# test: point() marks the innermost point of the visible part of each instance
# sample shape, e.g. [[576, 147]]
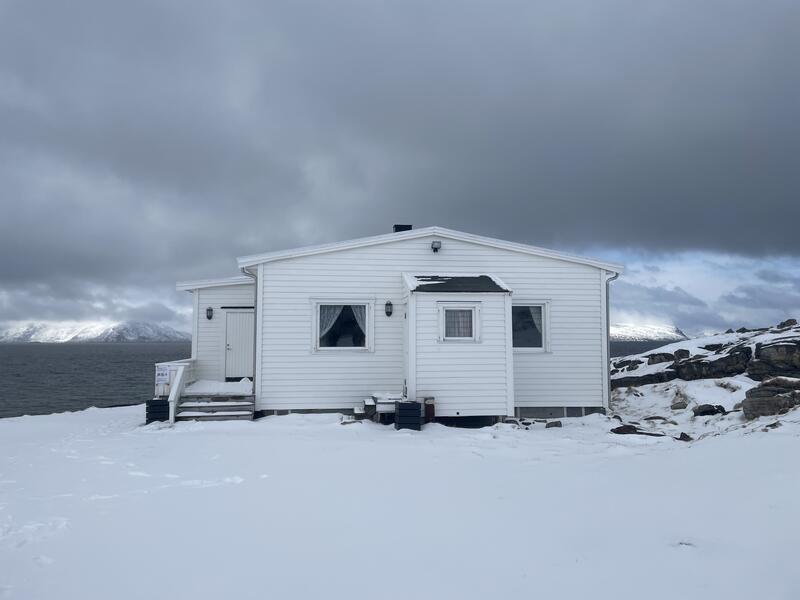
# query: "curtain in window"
[[360, 313], [536, 315], [457, 323], [328, 313]]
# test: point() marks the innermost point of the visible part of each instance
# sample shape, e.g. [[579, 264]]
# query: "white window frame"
[[545, 304], [475, 307], [369, 334]]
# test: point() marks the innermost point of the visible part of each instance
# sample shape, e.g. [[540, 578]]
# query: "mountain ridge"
[[77, 332]]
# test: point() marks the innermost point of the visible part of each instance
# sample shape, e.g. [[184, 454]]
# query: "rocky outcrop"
[[759, 353], [708, 410], [732, 363], [660, 357], [773, 397], [660, 377], [776, 359]]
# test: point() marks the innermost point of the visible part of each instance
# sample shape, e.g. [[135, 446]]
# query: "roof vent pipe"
[[399, 228]]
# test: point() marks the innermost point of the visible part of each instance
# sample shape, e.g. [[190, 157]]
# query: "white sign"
[[162, 375]]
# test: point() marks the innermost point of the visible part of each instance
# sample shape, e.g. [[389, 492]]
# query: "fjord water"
[[46, 378]]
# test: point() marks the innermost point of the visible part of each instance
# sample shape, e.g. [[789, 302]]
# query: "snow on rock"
[[759, 353], [58, 332], [93, 505]]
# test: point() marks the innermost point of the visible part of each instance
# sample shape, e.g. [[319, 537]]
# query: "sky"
[[148, 142]]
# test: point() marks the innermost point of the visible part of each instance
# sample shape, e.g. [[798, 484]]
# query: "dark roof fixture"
[[399, 228]]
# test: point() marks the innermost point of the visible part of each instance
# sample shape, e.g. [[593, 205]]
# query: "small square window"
[[458, 322]]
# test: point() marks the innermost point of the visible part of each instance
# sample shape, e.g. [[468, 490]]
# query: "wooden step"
[[218, 397], [231, 415], [216, 406]]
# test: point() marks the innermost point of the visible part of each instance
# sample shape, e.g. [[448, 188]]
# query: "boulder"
[[787, 323], [707, 410], [679, 404], [552, 424], [621, 364], [779, 358], [660, 357], [682, 354], [766, 400], [713, 347], [625, 430], [734, 362], [684, 437]]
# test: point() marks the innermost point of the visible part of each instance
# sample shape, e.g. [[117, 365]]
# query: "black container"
[[408, 415], [156, 410]]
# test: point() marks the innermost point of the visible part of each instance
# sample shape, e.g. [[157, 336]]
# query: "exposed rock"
[[737, 406], [707, 410], [780, 358], [552, 424], [766, 400], [713, 347], [732, 363], [660, 377], [684, 437], [679, 405], [742, 330], [625, 430], [787, 323], [660, 357], [620, 364], [682, 354], [729, 331], [774, 425], [661, 419]]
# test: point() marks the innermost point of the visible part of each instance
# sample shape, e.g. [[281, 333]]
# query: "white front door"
[[239, 332]]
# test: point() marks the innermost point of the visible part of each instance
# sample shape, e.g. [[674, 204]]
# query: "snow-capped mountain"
[[58, 332], [646, 333]]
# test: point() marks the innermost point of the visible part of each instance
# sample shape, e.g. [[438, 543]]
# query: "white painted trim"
[[259, 333], [509, 359], [475, 306], [545, 304], [411, 315], [369, 334], [189, 286], [195, 321], [249, 261], [604, 329]]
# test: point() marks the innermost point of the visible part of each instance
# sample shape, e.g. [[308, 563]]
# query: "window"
[[527, 325], [458, 322], [342, 325]]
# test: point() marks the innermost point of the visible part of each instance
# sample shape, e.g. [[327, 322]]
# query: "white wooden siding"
[[210, 337], [294, 377], [465, 377]]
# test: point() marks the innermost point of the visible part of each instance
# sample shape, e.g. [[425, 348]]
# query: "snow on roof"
[[456, 283], [248, 261], [188, 286]]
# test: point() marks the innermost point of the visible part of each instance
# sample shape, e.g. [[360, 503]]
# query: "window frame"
[[475, 307], [545, 304], [369, 334]]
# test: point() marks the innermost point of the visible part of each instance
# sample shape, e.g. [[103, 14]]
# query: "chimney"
[[399, 228]]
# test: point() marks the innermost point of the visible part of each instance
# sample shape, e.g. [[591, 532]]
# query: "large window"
[[342, 325], [527, 323], [458, 322]]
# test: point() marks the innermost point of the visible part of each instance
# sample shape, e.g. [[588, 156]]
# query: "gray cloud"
[[147, 142]]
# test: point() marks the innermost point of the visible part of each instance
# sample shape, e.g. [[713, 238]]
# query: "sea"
[[38, 379]]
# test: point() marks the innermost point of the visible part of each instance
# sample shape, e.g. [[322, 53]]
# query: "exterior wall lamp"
[[209, 313], [388, 308], [436, 245]]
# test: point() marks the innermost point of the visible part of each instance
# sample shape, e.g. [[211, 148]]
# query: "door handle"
[[227, 346]]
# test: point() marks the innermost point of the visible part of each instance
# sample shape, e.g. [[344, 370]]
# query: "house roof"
[[245, 262], [457, 283], [189, 286]]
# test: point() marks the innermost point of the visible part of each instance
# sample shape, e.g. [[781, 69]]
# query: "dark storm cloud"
[[146, 142]]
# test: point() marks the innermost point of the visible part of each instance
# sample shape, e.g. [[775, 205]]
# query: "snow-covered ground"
[[94, 505]]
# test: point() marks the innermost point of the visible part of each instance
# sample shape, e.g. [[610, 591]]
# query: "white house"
[[483, 326]]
